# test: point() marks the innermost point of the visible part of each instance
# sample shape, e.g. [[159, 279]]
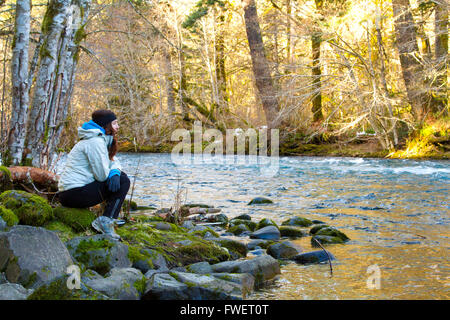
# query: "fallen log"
[[30, 177]]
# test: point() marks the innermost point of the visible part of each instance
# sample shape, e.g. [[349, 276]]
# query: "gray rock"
[[325, 240], [263, 268], [297, 221], [188, 224], [163, 226], [238, 229], [312, 257], [236, 248], [162, 286], [31, 256], [198, 228], [283, 250], [14, 291], [119, 283], [257, 252], [199, 267], [266, 233], [100, 253], [155, 261], [3, 224], [245, 280]]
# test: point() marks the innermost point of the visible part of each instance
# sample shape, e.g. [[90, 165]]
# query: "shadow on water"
[[396, 213]]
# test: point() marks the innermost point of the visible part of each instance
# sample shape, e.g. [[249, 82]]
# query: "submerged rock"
[[31, 256], [292, 232], [236, 248], [265, 223], [312, 257], [315, 229], [332, 232], [259, 200], [266, 233], [297, 221], [324, 240]]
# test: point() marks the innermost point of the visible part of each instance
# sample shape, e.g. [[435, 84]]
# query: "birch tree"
[[20, 84]]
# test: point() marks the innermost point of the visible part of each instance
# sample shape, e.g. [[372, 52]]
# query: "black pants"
[[95, 193]]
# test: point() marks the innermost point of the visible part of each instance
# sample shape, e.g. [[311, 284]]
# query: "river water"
[[396, 213]]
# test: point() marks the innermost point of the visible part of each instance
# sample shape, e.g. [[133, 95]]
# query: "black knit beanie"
[[103, 117]]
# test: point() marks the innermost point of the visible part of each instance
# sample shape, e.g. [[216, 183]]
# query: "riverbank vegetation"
[[363, 78]]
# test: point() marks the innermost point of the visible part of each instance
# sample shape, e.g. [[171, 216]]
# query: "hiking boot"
[[105, 225]]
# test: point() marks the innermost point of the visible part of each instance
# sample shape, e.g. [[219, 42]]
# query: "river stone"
[[14, 291], [31, 256], [199, 267], [245, 280], [263, 268], [157, 261], [297, 221], [292, 232], [258, 252], [265, 223], [203, 287], [315, 229], [242, 217], [238, 229], [99, 252], [324, 240], [283, 250], [236, 248], [259, 200], [188, 224], [266, 233], [163, 226], [259, 243], [119, 283], [332, 232], [250, 224], [312, 257], [162, 286]]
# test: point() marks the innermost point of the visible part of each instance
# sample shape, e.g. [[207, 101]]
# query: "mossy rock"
[[78, 219], [142, 218], [297, 221], [265, 223], [58, 290], [260, 200], [324, 240], [332, 232], [242, 217], [8, 216], [203, 233], [291, 232], [240, 249], [30, 209], [315, 229], [250, 224], [238, 229], [5, 179], [199, 251], [133, 205], [136, 254]]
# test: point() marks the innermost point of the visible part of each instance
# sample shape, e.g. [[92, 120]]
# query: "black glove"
[[114, 183]]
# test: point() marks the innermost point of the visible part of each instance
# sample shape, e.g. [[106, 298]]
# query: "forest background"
[[350, 78]]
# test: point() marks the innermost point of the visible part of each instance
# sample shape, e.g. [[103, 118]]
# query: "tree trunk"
[[20, 85], [441, 54], [316, 73], [168, 79], [408, 50], [261, 69]]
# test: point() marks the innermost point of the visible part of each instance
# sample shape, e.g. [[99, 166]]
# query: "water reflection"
[[395, 211]]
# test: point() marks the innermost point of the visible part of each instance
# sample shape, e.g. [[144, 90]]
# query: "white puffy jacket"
[[88, 160]]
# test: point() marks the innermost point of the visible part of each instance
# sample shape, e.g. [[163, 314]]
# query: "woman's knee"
[[124, 180]]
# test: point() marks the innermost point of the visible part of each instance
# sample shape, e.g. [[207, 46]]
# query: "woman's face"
[[115, 126]]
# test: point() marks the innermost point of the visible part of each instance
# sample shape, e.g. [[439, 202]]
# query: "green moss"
[[297, 221], [91, 254], [197, 252], [317, 228], [250, 224], [144, 218], [31, 280], [332, 232], [64, 232], [265, 223], [5, 172], [202, 233], [293, 232], [136, 254], [133, 205], [140, 285], [238, 229], [78, 219], [234, 246], [324, 240], [8, 216], [30, 209]]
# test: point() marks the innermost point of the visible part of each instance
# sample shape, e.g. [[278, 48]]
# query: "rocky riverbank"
[[51, 252]]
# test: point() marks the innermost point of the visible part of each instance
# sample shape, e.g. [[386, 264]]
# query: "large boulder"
[[100, 253], [191, 286], [283, 250], [31, 256], [30, 209], [313, 257], [262, 267], [260, 200], [119, 283], [14, 291], [266, 233]]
